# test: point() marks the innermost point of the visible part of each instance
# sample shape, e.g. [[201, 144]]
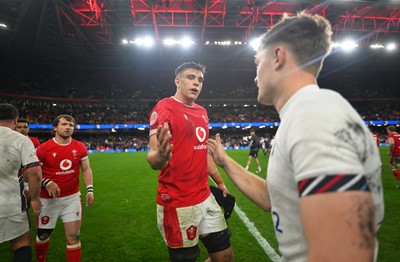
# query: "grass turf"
[[121, 225]]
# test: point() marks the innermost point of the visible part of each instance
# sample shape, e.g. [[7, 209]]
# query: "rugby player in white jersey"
[[323, 185], [18, 162]]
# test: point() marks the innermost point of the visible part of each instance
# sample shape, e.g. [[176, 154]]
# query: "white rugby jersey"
[[320, 134], [16, 151]]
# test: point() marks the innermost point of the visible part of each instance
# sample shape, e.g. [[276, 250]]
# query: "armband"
[[46, 181], [89, 189]]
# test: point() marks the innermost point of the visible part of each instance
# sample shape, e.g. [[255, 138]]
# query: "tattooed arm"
[[339, 226]]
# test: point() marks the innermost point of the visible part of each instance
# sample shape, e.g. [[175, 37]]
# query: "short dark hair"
[[308, 36], [190, 65], [66, 117], [8, 112], [23, 120], [391, 128]]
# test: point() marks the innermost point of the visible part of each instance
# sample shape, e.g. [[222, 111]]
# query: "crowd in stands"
[[152, 85], [127, 97], [43, 111]]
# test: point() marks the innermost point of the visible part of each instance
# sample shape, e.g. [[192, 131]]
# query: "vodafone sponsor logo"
[[201, 136], [65, 165], [201, 133], [200, 147]]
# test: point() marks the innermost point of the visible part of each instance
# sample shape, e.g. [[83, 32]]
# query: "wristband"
[[46, 181], [89, 189], [214, 172]]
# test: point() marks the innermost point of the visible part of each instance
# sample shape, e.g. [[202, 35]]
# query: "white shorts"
[[67, 208], [13, 226], [181, 227]]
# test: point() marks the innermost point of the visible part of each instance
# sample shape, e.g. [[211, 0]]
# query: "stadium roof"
[[91, 31]]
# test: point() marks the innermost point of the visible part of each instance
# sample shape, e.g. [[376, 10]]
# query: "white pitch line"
[[256, 234]]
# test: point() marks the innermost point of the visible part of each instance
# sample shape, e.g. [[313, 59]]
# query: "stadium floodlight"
[[186, 42], [170, 42], [146, 42], [376, 46], [391, 46], [349, 45], [255, 43], [125, 41]]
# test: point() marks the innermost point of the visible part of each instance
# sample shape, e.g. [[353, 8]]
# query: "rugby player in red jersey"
[[23, 128], [394, 151], [186, 209], [62, 157]]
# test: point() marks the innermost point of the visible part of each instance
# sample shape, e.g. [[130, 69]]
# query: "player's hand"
[[217, 151], [53, 189], [223, 188], [89, 199], [163, 138], [36, 207]]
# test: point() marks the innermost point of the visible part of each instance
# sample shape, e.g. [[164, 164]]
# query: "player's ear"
[[177, 81], [279, 56]]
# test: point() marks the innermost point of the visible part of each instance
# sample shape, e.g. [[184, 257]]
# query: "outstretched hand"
[[217, 151], [163, 138]]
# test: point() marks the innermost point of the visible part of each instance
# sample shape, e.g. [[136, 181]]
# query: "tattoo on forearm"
[[365, 223]]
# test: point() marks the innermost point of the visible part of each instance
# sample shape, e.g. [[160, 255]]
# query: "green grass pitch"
[[121, 225]]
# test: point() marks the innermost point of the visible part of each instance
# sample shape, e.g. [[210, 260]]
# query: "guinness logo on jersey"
[[65, 164], [201, 133]]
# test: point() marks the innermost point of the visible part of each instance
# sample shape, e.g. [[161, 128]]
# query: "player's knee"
[[218, 241], [75, 235], [44, 234], [189, 254]]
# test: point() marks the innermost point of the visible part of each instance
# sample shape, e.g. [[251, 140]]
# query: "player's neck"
[[184, 100], [62, 140]]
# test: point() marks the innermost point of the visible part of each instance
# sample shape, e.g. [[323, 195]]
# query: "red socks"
[[396, 173], [41, 249], [73, 252]]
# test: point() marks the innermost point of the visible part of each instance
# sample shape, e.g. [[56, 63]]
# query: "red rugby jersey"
[[396, 138], [184, 181], [61, 164]]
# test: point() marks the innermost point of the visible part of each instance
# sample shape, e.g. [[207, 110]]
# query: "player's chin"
[[66, 135], [263, 99], [194, 95]]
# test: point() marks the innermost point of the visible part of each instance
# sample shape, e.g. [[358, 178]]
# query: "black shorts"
[[253, 153]]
